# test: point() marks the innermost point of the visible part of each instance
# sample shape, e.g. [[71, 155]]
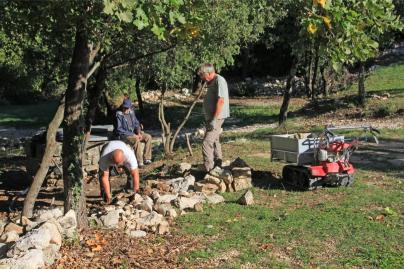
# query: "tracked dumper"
[[318, 159]]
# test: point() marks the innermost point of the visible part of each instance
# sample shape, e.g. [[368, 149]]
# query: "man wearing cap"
[[116, 153], [128, 129], [216, 108]]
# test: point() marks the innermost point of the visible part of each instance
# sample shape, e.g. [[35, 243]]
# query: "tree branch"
[[134, 59], [187, 116]]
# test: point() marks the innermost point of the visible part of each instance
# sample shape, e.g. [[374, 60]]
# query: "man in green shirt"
[[216, 109]]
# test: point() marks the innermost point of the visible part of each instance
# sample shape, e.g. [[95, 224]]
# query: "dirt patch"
[[121, 251]]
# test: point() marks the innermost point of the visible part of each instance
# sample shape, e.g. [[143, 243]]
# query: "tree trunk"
[[73, 132], [109, 106], [361, 85], [165, 126], [314, 91], [94, 94], [286, 96], [186, 118], [307, 75], [139, 97], [324, 79], [245, 57], [50, 148]]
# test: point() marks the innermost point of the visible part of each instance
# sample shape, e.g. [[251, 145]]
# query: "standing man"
[[128, 129], [216, 108], [116, 153]]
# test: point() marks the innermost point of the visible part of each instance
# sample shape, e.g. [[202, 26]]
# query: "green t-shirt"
[[217, 87]]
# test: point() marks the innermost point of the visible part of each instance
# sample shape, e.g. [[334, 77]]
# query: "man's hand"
[[108, 199], [138, 137], [211, 125]]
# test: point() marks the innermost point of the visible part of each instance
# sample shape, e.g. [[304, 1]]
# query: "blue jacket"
[[122, 126]]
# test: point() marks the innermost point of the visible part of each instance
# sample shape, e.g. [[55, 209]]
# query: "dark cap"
[[127, 103]]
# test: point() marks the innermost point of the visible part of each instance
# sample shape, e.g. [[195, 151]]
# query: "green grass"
[[326, 228], [384, 80], [27, 115]]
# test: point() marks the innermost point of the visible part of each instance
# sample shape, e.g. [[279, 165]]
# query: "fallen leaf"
[[265, 246], [96, 248], [116, 260], [380, 218], [370, 218]]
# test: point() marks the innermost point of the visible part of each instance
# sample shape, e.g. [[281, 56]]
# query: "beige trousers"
[[211, 148], [137, 147]]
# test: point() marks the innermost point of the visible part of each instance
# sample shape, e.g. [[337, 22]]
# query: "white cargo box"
[[295, 148]]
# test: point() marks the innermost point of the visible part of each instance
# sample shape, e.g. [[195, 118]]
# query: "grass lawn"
[[357, 227], [36, 115]]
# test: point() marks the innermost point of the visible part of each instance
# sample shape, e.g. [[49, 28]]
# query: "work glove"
[[211, 125]]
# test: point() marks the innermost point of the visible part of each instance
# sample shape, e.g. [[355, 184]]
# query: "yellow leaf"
[[327, 21], [319, 3], [311, 28]]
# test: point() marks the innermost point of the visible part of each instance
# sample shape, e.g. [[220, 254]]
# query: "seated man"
[[128, 130], [116, 153]]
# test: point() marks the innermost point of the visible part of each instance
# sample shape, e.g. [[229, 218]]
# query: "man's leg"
[[217, 146], [208, 145], [147, 139], [135, 143]]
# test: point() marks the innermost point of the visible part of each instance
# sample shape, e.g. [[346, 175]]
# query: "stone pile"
[[8, 144], [155, 209], [229, 178], [35, 243], [161, 201]]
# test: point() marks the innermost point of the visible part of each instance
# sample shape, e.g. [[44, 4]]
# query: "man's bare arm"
[[105, 185], [135, 178]]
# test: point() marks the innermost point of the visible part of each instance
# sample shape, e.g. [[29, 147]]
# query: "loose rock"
[[247, 198]]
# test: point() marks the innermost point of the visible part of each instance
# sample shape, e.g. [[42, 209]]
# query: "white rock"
[[166, 198], [68, 221], [184, 193], [211, 179], [241, 183], [162, 209], [153, 219], [247, 198], [47, 214], [155, 195], [137, 199], [172, 213], [163, 227], [183, 167], [51, 254], [111, 219], [55, 231], [136, 233], [120, 203], [32, 259], [185, 202], [28, 224], [10, 236], [38, 238], [146, 204], [13, 227], [214, 198]]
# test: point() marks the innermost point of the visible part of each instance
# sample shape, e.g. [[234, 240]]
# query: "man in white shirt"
[[116, 153]]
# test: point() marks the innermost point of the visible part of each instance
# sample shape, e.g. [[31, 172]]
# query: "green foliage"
[[215, 35], [348, 31]]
